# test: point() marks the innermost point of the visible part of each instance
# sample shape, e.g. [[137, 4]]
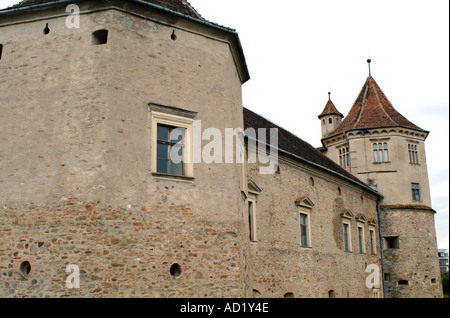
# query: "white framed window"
[[347, 217], [305, 228], [380, 152], [413, 154], [347, 236], [344, 157], [415, 191], [252, 219], [372, 240], [361, 239], [304, 220], [172, 142], [372, 236]]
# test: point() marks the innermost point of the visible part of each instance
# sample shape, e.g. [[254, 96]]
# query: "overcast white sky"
[[298, 50]]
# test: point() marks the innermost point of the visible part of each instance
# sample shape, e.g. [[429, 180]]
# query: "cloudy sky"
[[298, 50]]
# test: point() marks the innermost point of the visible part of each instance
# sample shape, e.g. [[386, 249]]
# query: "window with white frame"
[[372, 241], [413, 154], [305, 229], [380, 152], [415, 191], [361, 239], [171, 142], [344, 157], [304, 220], [252, 219], [347, 236], [347, 217]]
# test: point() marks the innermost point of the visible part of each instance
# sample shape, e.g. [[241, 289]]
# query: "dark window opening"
[[403, 282], [25, 268], [415, 191], [1, 50], [361, 239], [100, 37], [175, 270], [346, 237], [392, 242], [46, 29], [289, 295], [169, 152], [330, 120], [304, 230], [372, 242], [433, 281], [173, 36], [331, 294], [387, 277], [251, 222]]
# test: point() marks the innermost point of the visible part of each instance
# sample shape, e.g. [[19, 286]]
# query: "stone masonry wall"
[[76, 184], [415, 259], [279, 265]]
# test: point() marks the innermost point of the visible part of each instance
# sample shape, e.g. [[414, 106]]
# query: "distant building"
[[443, 259]]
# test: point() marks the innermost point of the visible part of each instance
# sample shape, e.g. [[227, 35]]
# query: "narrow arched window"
[[100, 37], [375, 153], [1, 50], [380, 152], [386, 152]]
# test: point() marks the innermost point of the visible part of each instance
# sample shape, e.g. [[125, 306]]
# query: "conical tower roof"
[[330, 109], [372, 109]]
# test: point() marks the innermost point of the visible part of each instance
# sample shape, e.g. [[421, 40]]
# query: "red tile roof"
[[180, 6], [292, 144], [372, 109], [330, 109]]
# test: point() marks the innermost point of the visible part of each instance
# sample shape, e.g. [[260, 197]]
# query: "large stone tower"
[[381, 147], [86, 177]]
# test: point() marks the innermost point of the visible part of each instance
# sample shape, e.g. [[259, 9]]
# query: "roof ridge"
[[372, 109], [362, 105], [375, 86]]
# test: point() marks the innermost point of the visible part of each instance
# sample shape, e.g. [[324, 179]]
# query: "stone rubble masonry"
[[76, 184]]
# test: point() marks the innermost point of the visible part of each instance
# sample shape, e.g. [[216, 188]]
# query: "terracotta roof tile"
[[294, 145], [372, 109], [180, 6], [330, 109]]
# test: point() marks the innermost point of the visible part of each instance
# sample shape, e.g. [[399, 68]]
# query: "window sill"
[[306, 247], [380, 162], [171, 177]]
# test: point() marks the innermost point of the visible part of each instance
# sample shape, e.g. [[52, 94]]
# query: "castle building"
[[97, 101], [386, 151]]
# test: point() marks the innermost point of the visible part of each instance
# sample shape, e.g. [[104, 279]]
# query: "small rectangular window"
[[392, 242], [1, 50], [415, 191], [413, 155], [252, 221], [169, 152], [361, 239], [347, 246], [304, 230], [372, 242], [100, 37]]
